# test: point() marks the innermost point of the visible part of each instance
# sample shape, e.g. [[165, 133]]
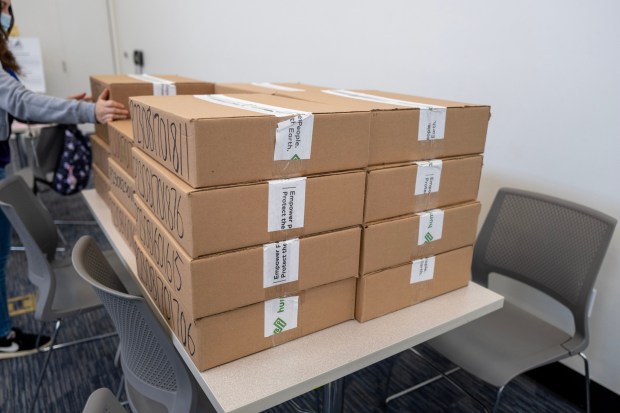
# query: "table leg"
[[333, 397]]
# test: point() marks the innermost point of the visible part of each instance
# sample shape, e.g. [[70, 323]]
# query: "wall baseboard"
[[569, 384]]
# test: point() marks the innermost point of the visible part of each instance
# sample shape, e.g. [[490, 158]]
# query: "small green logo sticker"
[[295, 158], [279, 324], [428, 237]]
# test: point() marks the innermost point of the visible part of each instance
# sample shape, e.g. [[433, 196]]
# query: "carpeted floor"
[[75, 372]]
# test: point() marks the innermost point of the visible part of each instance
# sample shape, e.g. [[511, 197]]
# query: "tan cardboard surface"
[[209, 144], [266, 90], [122, 87], [390, 191], [102, 184], [101, 151], [122, 185], [394, 135], [394, 128], [123, 221], [389, 290], [120, 136], [224, 337], [216, 283], [206, 221], [395, 241]]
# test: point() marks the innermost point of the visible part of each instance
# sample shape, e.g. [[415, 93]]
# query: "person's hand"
[[82, 96], [107, 110]]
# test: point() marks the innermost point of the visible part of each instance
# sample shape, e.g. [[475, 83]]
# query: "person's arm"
[[33, 107]]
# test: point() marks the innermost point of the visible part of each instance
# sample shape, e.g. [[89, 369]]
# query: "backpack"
[[74, 164]]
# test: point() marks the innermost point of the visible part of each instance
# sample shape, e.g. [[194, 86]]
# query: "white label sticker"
[[428, 177], [431, 226], [432, 117], [422, 270], [280, 262], [164, 89], [161, 87], [293, 135], [294, 138], [268, 85], [281, 315], [287, 203]]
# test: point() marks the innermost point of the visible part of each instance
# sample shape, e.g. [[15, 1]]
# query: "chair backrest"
[[153, 369], [550, 244], [49, 146], [37, 232]]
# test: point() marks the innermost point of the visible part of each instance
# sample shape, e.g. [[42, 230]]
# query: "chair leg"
[[333, 396], [420, 385], [441, 375], [45, 364], [586, 367], [500, 391], [117, 356]]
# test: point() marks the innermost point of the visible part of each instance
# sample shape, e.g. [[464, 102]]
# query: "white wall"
[[549, 70], [72, 46]]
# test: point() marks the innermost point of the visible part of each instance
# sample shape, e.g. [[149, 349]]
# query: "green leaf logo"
[[428, 237], [279, 324]]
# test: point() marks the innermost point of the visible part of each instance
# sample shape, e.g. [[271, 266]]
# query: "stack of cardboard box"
[[249, 217], [112, 142], [265, 212], [420, 212]]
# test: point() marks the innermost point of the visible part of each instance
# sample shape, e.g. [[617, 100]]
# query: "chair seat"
[[506, 341], [73, 295]]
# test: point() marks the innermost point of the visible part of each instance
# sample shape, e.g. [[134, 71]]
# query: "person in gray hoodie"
[[18, 102]]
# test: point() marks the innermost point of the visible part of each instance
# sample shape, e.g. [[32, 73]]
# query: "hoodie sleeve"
[[34, 107]]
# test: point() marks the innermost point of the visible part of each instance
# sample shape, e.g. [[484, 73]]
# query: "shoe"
[[18, 344]]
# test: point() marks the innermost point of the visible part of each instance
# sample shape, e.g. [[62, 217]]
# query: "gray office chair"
[[46, 152], [555, 246], [156, 378], [103, 401], [61, 293]]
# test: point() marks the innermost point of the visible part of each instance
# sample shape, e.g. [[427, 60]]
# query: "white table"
[[271, 377]]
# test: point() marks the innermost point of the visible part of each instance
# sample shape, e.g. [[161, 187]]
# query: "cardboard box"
[[122, 87], [100, 151], [449, 129], [102, 184], [400, 240], [121, 142], [218, 339], [122, 185], [123, 221], [206, 221], [216, 283], [396, 190], [266, 88], [390, 290], [210, 144], [396, 134]]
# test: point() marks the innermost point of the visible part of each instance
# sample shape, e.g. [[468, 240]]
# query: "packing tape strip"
[[278, 328], [161, 87], [427, 183], [432, 118], [293, 132]]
